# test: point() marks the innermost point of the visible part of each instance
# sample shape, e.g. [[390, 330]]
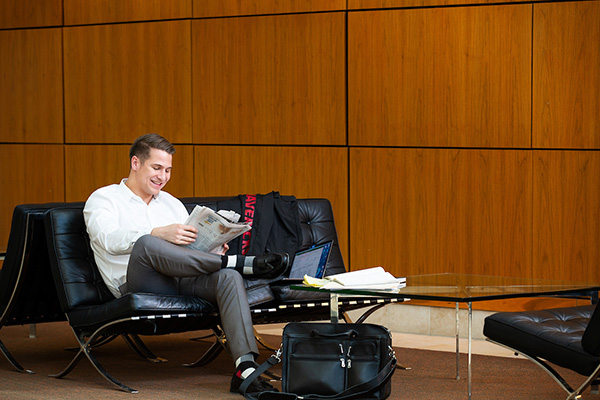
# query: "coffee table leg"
[[457, 344], [470, 305], [334, 307]]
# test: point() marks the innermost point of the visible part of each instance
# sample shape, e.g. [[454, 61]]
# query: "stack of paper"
[[370, 278]]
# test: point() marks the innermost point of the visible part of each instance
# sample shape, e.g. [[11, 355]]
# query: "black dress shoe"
[[270, 265], [257, 385]]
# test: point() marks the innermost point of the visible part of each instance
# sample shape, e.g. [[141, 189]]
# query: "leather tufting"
[[554, 335], [77, 278], [318, 226]]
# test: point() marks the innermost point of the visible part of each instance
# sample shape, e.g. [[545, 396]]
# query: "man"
[[137, 231]]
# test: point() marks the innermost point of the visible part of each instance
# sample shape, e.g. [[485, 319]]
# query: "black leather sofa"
[[96, 317]]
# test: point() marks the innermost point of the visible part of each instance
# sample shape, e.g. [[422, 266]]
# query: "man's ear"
[[135, 163]]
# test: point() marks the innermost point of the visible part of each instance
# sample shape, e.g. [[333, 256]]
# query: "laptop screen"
[[311, 262]]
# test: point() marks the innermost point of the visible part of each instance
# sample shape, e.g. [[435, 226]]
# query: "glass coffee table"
[[464, 288]]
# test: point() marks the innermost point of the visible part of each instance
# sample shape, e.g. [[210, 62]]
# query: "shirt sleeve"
[[102, 220], [183, 213]]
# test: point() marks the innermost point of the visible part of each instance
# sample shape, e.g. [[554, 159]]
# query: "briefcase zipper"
[[345, 360], [348, 357]]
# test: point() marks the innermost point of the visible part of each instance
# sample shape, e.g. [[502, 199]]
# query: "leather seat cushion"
[[89, 318], [284, 294], [553, 335]]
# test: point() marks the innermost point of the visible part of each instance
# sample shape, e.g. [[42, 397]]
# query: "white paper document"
[[375, 278]]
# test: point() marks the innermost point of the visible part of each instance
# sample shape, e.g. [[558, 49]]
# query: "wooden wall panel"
[[224, 8], [122, 81], [440, 77], [31, 96], [31, 174], [304, 172], [270, 80], [80, 12], [369, 4], [91, 167], [566, 70], [420, 211], [566, 217], [30, 13]]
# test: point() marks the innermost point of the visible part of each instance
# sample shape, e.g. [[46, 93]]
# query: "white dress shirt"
[[115, 218]]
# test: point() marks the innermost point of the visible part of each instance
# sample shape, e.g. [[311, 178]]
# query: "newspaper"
[[214, 229]]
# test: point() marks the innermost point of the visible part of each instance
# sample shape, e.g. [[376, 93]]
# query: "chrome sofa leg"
[[12, 360], [85, 349], [140, 348]]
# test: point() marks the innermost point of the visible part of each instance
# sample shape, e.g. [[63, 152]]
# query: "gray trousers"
[[158, 266]]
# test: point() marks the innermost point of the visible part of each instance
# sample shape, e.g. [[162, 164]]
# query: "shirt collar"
[[128, 193]]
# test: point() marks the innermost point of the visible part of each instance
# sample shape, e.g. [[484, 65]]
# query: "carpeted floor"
[[431, 376]]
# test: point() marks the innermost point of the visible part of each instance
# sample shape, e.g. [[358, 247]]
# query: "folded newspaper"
[[214, 228], [375, 278]]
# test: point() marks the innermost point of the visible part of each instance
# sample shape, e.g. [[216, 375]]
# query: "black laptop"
[[311, 262]]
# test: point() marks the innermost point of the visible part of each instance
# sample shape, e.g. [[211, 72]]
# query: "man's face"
[[153, 174]]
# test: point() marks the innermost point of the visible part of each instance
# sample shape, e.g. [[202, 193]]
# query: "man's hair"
[[142, 145]]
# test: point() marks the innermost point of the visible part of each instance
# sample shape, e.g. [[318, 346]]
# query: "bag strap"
[[273, 360], [353, 392]]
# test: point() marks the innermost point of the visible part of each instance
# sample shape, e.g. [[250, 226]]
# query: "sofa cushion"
[[89, 318], [553, 335]]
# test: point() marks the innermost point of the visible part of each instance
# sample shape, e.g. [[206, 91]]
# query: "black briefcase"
[[334, 361]]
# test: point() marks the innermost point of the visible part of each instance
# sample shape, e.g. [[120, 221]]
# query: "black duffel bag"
[[331, 361]]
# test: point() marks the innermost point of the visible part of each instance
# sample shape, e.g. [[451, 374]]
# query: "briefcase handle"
[[350, 334]]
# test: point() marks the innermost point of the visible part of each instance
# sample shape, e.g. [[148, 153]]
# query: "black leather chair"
[[25, 296], [94, 314], [566, 337]]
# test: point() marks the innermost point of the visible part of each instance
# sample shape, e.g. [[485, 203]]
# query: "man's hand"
[[176, 233], [221, 250]]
